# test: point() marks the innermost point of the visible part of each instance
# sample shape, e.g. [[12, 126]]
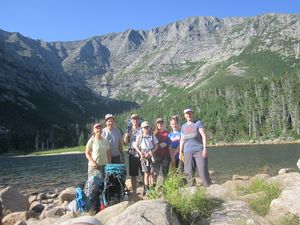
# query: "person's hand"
[[94, 164], [163, 145], [204, 153]]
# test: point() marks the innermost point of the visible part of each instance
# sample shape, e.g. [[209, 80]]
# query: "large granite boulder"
[[145, 213], [105, 215], [13, 201], [67, 195], [12, 218], [287, 203], [227, 190], [235, 212]]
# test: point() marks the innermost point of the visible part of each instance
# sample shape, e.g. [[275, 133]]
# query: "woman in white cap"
[[146, 145], [97, 152], [193, 146]]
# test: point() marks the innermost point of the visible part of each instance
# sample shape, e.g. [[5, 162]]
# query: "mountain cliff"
[[46, 83]]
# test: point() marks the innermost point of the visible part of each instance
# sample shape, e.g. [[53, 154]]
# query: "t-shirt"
[[147, 142], [163, 149], [192, 137], [114, 138], [99, 148], [132, 139], [174, 141]]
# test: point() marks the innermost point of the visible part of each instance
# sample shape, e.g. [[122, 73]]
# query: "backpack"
[[80, 200]]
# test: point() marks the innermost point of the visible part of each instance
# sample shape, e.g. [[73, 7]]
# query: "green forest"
[[256, 109]]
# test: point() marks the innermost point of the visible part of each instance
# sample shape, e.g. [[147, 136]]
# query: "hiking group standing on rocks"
[[150, 150]]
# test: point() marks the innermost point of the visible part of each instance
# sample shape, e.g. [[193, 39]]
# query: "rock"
[[83, 220], [52, 212], [212, 172], [134, 197], [41, 196], [287, 202], [32, 198], [67, 195], [13, 200], [238, 177], [36, 207], [22, 222], [145, 213], [284, 171], [51, 220], [12, 218], [226, 190], [287, 180], [298, 164], [51, 195], [235, 212], [1, 212], [105, 215]]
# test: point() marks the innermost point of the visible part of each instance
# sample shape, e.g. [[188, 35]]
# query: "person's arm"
[[108, 155], [138, 140], [88, 155], [126, 138], [204, 152], [181, 148]]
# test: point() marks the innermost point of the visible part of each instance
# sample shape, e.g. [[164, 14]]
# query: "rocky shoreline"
[[51, 207]]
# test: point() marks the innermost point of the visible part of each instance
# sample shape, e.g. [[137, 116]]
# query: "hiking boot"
[[92, 212]]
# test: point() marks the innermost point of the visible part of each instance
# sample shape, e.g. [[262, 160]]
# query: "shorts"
[[134, 165], [99, 171], [147, 166]]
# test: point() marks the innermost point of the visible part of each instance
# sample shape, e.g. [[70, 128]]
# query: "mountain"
[[44, 84], [39, 98], [196, 52]]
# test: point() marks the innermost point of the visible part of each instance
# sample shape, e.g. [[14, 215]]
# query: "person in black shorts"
[[133, 157]]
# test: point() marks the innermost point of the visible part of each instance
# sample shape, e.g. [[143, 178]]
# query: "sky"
[[68, 20]]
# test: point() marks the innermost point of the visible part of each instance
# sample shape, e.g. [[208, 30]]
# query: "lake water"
[[47, 173]]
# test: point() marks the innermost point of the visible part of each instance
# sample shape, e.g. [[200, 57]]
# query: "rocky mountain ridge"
[[135, 65]]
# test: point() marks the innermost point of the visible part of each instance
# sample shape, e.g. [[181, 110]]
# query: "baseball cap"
[[108, 116], [134, 116], [159, 120], [97, 125], [145, 124], [187, 110]]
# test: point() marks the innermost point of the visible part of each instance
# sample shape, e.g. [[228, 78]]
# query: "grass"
[[188, 206], [261, 203], [58, 151], [289, 219]]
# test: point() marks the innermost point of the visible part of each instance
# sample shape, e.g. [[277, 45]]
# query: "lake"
[[47, 173]]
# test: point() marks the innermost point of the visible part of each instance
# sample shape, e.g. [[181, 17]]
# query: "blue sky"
[[63, 20]]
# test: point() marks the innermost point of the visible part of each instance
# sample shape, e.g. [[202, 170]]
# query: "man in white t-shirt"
[[114, 137]]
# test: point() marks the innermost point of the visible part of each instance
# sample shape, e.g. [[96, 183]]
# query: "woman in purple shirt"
[[193, 145]]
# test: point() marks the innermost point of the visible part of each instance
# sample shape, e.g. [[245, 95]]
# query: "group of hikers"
[[149, 150]]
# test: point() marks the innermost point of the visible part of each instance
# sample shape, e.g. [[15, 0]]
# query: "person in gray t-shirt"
[[193, 147], [114, 137]]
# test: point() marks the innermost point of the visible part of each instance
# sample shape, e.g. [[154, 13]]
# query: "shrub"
[[188, 207], [289, 219]]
